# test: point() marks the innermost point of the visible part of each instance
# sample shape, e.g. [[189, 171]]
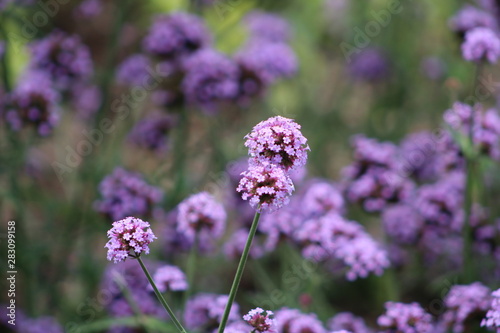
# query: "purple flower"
[[464, 302], [151, 132], [492, 318], [349, 322], [126, 193], [267, 26], [480, 44], [64, 57], [170, 278], [210, 78], [176, 36], [433, 68], [38, 325], [267, 188], [293, 321], [402, 223], [32, 103], [88, 9], [405, 318], [201, 216], [133, 70], [419, 156], [320, 198], [370, 65], [470, 17], [277, 141], [233, 248], [261, 320], [129, 237], [206, 310], [86, 100]]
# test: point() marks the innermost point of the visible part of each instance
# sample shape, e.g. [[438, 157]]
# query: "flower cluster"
[[170, 278], [348, 322], [492, 319], [481, 44], [151, 132], [292, 320], [126, 193], [128, 238], [206, 310], [370, 65], [261, 320], [405, 318]]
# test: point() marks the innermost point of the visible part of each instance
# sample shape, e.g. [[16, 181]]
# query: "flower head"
[[481, 44], [369, 65], [128, 237], [266, 187], [206, 310], [267, 26], [277, 141], [405, 318], [170, 278], [261, 320], [470, 17], [152, 132], [492, 319], [348, 322]]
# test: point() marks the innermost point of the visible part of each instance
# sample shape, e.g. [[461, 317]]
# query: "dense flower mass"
[[128, 237], [492, 319], [63, 57], [133, 70], [277, 141], [201, 216], [464, 302], [126, 193], [175, 36], [32, 104], [405, 318], [481, 44], [261, 320], [266, 188], [403, 223], [151, 132], [206, 310], [170, 278]]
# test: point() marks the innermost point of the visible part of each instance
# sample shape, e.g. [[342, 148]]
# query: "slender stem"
[[239, 271], [4, 63], [191, 269], [161, 299]]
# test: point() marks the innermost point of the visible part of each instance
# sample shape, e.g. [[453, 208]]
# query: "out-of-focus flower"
[[88, 9], [267, 26], [126, 193], [176, 36], [370, 65], [402, 223], [470, 17], [267, 188], [38, 325], [86, 100], [405, 318], [32, 103], [261, 320], [234, 247], [133, 70], [321, 197], [64, 57], [348, 322], [419, 156], [206, 310], [492, 319], [211, 78], [169, 278], [464, 302], [277, 141], [481, 44], [151, 132], [433, 68], [201, 216], [128, 237], [293, 321]]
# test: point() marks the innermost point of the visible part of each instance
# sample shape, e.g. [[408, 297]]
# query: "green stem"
[[161, 299], [3, 59], [191, 270], [239, 271]]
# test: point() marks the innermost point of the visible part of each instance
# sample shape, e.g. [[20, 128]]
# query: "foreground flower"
[[266, 188], [481, 44], [170, 278], [405, 318], [261, 320], [277, 141], [492, 319], [129, 237]]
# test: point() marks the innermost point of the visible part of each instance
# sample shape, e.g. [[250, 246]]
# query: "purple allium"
[[86, 100], [32, 103], [277, 141], [293, 321], [492, 318], [88, 9], [64, 57], [370, 65], [151, 132], [465, 302], [211, 78], [349, 322], [206, 310], [261, 320], [176, 36], [481, 44], [267, 188], [321, 197], [38, 325], [402, 223], [170, 278], [267, 26], [200, 215], [129, 237], [405, 318], [470, 17], [133, 70], [433, 68], [126, 193], [234, 247]]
